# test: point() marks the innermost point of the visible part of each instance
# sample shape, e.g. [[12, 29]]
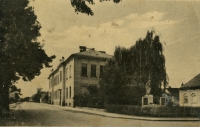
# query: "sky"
[[63, 31]]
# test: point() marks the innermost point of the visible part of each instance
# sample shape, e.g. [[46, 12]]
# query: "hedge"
[[156, 111]]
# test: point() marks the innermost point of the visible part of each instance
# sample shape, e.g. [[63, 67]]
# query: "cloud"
[[124, 32], [105, 36], [149, 20]]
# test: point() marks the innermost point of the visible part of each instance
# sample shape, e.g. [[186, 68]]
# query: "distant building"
[[73, 75], [171, 95], [44, 97], [189, 93]]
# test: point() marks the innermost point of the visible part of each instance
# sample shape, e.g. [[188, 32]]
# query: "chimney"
[[102, 52], [82, 48]]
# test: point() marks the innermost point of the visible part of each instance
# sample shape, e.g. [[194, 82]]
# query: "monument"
[[147, 99]]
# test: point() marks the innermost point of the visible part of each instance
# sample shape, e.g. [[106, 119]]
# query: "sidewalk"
[[102, 112]]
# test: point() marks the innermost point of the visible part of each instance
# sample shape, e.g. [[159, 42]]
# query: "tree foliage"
[[36, 97], [82, 7], [126, 75], [13, 88], [21, 55]]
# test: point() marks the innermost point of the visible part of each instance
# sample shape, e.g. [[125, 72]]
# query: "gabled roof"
[[192, 84]]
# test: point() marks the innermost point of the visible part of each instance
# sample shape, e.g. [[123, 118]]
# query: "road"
[[36, 114]]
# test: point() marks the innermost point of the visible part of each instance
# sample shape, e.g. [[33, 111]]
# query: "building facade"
[[73, 75], [189, 93]]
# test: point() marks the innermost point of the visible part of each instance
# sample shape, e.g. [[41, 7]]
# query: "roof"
[[92, 54], [88, 54], [192, 84], [173, 91]]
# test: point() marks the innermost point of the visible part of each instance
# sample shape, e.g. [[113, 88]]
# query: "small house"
[[189, 93]]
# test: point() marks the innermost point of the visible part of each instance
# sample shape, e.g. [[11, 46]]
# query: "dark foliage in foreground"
[[82, 7], [21, 55]]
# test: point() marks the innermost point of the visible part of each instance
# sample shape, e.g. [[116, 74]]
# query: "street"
[[37, 114]]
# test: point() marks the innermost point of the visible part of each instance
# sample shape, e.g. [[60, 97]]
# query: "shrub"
[[157, 111]]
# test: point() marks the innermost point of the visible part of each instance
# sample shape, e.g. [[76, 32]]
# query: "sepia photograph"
[[100, 63]]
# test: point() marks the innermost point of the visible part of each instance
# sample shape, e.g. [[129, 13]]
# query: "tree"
[[17, 91], [114, 83], [126, 75], [82, 7], [21, 55], [36, 97]]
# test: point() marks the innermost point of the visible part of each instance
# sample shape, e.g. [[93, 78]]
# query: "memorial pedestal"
[[147, 100]]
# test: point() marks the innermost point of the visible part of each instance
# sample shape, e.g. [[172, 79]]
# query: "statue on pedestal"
[[148, 87], [148, 98]]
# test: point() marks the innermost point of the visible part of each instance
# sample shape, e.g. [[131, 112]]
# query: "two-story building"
[[73, 75]]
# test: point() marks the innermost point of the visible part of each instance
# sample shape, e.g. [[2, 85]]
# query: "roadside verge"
[[114, 115]]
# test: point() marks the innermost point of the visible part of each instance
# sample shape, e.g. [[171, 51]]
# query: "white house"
[[189, 93], [73, 75]]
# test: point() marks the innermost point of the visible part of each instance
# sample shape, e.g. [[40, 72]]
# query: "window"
[[93, 70], [66, 72], [194, 98], [84, 70], [70, 92], [70, 71], [57, 79], [185, 97], [101, 70], [60, 76]]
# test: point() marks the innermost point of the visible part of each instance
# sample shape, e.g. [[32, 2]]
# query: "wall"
[[55, 86], [193, 98], [82, 82], [51, 89], [69, 82], [73, 78]]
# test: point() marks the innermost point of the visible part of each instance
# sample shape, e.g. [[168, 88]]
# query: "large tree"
[[21, 55], [127, 74]]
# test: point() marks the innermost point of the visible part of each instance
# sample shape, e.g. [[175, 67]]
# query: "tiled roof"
[[192, 84]]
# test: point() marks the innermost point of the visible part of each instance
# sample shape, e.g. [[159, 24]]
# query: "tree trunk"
[[4, 96]]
